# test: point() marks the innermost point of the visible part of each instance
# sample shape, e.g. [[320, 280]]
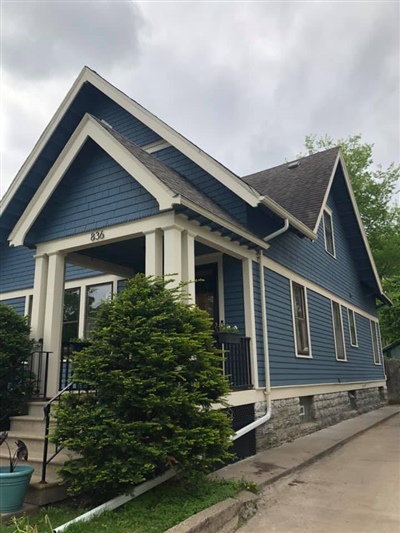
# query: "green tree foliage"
[[374, 189], [15, 348], [156, 372]]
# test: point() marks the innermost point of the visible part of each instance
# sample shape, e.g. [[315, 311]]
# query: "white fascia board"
[[88, 127], [222, 222], [340, 159], [281, 212], [327, 192], [43, 139]]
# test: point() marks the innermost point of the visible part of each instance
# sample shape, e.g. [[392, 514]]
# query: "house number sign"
[[97, 235]]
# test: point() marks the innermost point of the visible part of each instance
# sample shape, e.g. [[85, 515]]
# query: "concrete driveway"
[[354, 490]]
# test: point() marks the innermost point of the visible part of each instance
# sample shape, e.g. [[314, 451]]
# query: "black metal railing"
[[66, 370], [71, 388], [38, 366], [237, 363]]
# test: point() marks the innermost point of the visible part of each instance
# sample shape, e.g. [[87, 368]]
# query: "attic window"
[[328, 233]]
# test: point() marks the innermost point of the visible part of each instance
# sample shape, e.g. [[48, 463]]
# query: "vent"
[[106, 123], [294, 164]]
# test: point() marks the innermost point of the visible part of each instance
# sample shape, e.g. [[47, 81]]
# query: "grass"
[[153, 512]]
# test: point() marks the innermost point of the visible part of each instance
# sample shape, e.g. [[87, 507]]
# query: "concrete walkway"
[[268, 466]]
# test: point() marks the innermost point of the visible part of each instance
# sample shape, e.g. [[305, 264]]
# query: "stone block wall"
[[288, 420]]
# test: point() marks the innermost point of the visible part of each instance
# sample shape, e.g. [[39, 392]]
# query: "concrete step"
[[36, 409], [35, 443], [30, 425]]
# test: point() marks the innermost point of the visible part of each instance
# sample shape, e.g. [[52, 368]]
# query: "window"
[[328, 233], [375, 342], [71, 314], [300, 321], [338, 332], [95, 294], [352, 328]]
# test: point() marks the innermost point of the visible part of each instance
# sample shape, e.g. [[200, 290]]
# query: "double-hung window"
[[375, 342], [338, 332], [352, 328], [328, 232], [300, 321]]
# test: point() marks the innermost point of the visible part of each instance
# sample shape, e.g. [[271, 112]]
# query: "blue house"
[[110, 190]]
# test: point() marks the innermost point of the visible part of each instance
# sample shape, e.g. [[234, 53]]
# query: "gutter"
[[284, 228]]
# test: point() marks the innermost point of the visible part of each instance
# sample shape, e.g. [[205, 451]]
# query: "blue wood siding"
[[17, 268], [95, 193], [286, 368], [204, 181], [233, 293], [74, 272], [311, 260], [259, 325], [17, 303]]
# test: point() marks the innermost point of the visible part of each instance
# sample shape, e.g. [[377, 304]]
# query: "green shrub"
[[156, 372], [15, 347]]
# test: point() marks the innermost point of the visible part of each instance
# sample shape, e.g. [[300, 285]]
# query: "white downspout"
[[267, 390]]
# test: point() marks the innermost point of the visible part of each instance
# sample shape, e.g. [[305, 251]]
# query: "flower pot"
[[224, 337], [13, 487]]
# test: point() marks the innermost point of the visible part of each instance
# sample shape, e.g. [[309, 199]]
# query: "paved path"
[[354, 490]]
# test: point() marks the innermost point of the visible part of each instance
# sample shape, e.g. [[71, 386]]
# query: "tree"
[[156, 372], [375, 191], [16, 384]]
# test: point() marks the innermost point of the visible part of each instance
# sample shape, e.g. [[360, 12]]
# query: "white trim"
[[249, 315], [329, 212], [88, 127], [356, 210], [334, 332], [210, 165], [375, 349], [355, 327], [16, 294], [285, 272], [302, 356], [155, 146]]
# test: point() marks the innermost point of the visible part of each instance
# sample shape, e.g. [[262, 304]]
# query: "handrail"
[[71, 387]]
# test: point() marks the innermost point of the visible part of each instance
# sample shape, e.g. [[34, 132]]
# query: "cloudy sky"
[[246, 81]]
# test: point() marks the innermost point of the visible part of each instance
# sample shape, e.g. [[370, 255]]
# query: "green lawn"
[[153, 512]]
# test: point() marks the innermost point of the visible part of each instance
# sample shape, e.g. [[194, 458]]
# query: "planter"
[[13, 487], [224, 337]]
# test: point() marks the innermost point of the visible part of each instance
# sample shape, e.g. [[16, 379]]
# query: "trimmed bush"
[[156, 372], [16, 385]]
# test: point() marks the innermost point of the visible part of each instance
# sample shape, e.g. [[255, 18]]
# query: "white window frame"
[[350, 311], [328, 211], [300, 355], [344, 360], [376, 348]]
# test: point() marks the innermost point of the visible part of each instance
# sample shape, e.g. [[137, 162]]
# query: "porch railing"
[[38, 366], [237, 364]]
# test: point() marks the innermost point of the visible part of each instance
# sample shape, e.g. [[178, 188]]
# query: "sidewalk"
[[270, 465]]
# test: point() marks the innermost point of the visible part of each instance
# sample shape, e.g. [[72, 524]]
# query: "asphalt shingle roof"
[[300, 190], [172, 179]]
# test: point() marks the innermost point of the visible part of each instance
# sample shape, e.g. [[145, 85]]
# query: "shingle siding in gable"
[[17, 303], [286, 368], [95, 193], [17, 268], [233, 293], [259, 325], [311, 260], [204, 181]]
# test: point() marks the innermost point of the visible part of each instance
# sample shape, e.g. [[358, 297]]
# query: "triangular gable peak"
[[162, 133], [340, 181]]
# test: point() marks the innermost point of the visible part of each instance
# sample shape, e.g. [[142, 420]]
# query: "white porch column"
[[154, 253], [53, 319], [39, 296], [188, 265], [173, 253], [249, 314]]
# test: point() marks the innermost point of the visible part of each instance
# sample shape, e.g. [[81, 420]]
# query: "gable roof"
[[300, 190]]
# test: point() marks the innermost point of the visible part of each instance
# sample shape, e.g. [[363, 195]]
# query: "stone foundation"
[[295, 417]]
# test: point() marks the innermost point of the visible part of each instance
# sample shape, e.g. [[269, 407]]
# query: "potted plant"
[[227, 334], [14, 478]]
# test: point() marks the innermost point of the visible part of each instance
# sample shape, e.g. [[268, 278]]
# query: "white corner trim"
[[327, 192], [88, 128]]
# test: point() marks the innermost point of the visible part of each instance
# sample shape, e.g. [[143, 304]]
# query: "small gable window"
[[352, 328], [300, 321], [328, 232], [375, 342], [338, 332]]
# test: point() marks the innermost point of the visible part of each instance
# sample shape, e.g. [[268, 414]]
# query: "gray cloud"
[[45, 39]]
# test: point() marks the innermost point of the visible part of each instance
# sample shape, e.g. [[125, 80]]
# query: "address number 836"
[[96, 236]]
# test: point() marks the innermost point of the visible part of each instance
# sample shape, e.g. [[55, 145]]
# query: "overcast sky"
[[246, 81]]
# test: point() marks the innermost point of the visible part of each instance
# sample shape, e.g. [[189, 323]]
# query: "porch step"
[[35, 460], [35, 443], [36, 409], [30, 425]]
